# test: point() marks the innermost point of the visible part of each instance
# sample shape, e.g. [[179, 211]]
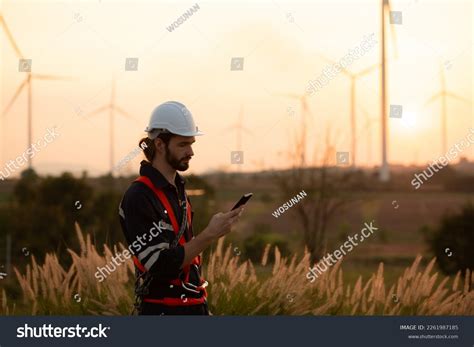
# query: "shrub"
[[254, 245], [452, 241]]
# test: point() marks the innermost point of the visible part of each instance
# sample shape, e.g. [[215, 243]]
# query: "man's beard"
[[175, 163]]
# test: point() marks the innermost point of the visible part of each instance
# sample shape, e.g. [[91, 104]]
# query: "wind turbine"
[[353, 78], [27, 83], [239, 129], [443, 94], [384, 168], [301, 145], [112, 107]]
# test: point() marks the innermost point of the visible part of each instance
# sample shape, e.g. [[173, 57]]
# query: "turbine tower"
[[239, 129], [353, 78], [384, 168], [443, 94], [112, 107], [27, 83]]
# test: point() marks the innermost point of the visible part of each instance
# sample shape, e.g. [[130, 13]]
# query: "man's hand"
[[222, 222]]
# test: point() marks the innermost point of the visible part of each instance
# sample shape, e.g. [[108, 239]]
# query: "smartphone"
[[243, 200]]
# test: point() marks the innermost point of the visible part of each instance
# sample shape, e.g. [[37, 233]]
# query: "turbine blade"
[[123, 113], [98, 110], [51, 77], [228, 129], [433, 98], [329, 61], [458, 97], [248, 131], [369, 69], [15, 96], [10, 37]]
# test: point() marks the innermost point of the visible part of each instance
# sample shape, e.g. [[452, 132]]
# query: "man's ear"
[[159, 144]]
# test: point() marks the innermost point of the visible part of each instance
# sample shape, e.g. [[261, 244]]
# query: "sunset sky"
[[280, 43]]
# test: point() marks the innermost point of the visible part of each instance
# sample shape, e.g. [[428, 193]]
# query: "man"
[[156, 218]]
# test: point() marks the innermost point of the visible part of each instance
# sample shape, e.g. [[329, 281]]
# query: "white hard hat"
[[173, 117]]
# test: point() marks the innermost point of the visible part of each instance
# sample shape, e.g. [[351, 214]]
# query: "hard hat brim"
[[194, 133]]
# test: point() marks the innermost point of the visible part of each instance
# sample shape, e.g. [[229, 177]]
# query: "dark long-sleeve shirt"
[[149, 231]]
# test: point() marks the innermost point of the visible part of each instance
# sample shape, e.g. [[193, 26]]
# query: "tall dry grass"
[[235, 288], [50, 289]]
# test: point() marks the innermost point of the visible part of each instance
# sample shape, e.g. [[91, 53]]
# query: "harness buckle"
[[197, 289]]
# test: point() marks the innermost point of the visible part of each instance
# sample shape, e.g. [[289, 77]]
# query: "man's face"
[[179, 152]]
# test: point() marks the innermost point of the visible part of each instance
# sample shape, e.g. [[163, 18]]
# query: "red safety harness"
[[186, 269]]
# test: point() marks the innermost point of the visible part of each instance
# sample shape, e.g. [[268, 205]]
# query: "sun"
[[409, 120]]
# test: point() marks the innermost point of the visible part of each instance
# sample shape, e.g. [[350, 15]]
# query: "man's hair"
[[149, 148]]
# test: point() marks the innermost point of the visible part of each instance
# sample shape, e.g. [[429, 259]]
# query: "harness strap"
[[138, 264], [164, 200], [186, 269], [178, 301]]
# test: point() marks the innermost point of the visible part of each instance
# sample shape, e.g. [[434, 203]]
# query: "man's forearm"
[[195, 246]]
